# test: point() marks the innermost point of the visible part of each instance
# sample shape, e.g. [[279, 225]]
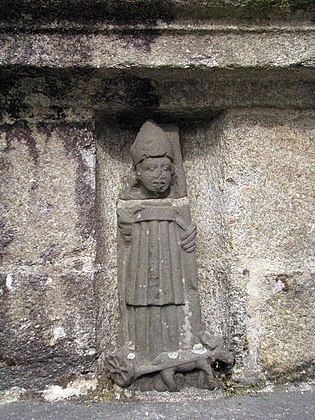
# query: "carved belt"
[[156, 213]]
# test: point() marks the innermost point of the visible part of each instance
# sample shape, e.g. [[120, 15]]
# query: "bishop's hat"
[[151, 141]]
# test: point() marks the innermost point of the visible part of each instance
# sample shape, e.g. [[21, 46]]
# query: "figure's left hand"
[[188, 239]]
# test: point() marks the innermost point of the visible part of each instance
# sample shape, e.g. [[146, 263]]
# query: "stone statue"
[[160, 330]]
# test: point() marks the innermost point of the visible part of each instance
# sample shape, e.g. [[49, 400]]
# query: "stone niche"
[[249, 176], [242, 98]]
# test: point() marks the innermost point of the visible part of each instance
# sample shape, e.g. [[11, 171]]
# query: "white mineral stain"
[[131, 356], [9, 281], [173, 355], [12, 394], [91, 351], [74, 389], [199, 349], [48, 281], [89, 160], [58, 332]]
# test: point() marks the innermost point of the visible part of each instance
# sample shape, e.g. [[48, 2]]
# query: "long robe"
[[155, 281]]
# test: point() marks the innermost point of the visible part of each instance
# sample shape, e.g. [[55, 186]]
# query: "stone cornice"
[[141, 11], [194, 50]]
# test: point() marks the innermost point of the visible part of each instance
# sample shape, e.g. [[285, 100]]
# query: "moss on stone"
[[234, 389], [105, 388], [301, 373]]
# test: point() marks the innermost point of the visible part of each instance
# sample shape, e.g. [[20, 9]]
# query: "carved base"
[[126, 365]]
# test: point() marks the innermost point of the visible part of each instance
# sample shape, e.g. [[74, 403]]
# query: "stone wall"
[[268, 194], [238, 80], [48, 248]]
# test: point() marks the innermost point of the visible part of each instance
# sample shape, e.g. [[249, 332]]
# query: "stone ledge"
[[176, 95], [165, 51]]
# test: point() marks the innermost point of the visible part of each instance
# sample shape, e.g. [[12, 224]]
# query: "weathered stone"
[[113, 161], [160, 319], [190, 48], [177, 96], [237, 77], [204, 179], [268, 198], [286, 348], [249, 249], [151, 11], [47, 252], [202, 163]]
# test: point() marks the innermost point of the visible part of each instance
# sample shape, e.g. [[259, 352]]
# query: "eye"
[[166, 168], [148, 167]]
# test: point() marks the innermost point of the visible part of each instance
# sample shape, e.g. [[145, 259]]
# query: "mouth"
[[159, 185]]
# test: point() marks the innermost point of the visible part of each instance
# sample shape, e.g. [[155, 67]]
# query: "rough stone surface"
[[237, 77], [113, 162], [175, 96], [196, 49], [47, 251], [29, 12], [268, 197], [201, 155]]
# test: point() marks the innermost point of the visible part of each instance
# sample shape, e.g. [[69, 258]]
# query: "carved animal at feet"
[[213, 351]]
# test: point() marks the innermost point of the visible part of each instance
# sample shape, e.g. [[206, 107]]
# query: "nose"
[[160, 171]]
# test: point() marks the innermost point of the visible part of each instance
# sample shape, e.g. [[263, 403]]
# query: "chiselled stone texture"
[[268, 199], [202, 162], [196, 47], [47, 252], [113, 162], [236, 76], [250, 181], [173, 95]]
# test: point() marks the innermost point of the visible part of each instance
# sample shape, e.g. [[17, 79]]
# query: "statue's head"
[[155, 174], [153, 155]]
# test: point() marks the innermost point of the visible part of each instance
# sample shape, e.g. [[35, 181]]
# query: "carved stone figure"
[[161, 329]]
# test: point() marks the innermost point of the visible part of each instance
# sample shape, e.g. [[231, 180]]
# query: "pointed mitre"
[[151, 141]]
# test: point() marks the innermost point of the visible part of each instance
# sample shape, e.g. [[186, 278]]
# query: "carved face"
[[155, 174]]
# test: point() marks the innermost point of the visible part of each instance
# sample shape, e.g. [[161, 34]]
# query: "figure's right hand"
[[188, 239], [125, 222]]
